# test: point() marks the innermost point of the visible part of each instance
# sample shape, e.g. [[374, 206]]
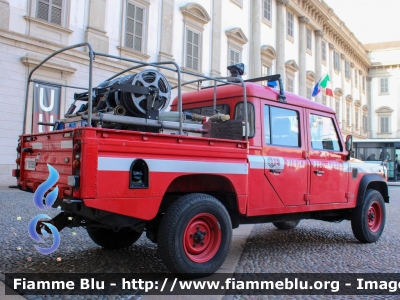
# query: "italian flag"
[[325, 84]]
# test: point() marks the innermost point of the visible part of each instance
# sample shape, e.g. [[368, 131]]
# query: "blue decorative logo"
[[49, 200]]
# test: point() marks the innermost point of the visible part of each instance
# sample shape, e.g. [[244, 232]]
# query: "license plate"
[[30, 163]]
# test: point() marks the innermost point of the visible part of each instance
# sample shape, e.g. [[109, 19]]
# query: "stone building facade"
[[383, 85], [299, 39]]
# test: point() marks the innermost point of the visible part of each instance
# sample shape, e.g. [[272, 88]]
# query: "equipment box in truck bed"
[[126, 166]]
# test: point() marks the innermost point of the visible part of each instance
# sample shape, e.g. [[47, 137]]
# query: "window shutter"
[[189, 49], [134, 27], [195, 51], [56, 10], [43, 10]]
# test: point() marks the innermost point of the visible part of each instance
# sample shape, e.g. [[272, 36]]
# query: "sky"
[[372, 21]]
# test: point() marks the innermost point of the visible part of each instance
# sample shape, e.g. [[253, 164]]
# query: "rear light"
[[19, 148], [15, 173], [76, 164], [18, 161], [77, 147]]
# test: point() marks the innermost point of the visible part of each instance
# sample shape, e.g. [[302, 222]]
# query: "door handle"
[[276, 171], [319, 172]]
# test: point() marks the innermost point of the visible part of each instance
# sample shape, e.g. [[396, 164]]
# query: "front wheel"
[[194, 236], [368, 219]]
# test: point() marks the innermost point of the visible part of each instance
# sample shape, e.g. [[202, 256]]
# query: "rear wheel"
[[111, 239], [286, 225], [194, 236], [368, 219]]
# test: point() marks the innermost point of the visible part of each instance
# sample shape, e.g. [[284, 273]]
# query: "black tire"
[[286, 225], [108, 238], [180, 234], [368, 219]]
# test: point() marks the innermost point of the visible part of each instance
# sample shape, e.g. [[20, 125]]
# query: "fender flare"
[[375, 181]]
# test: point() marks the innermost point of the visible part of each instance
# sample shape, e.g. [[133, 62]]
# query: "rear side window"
[[281, 126], [323, 134], [209, 111], [239, 115]]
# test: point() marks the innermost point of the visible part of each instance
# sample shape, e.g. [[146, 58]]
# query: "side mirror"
[[349, 143]]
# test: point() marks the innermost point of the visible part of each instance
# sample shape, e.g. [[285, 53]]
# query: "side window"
[[208, 111], [239, 115], [323, 134], [281, 126]]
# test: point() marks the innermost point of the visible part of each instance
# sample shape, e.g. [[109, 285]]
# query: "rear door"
[[329, 171], [286, 167]]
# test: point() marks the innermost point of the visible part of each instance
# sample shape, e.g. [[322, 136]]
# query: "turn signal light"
[[77, 147], [76, 164]]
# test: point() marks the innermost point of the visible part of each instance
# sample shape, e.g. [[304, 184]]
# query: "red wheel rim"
[[374, 216], [202, 238]]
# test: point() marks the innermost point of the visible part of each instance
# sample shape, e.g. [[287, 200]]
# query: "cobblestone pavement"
[[322, 247], [314, 246]]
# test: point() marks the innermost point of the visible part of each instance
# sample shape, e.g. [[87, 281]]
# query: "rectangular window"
[[323, 51], [357, 119], [356, 77], [134, 27], [384, 122], [348, 115], [192, 49], [309, 92], [365, 123], [323, 133], [384, 85], [284, 130], [347, 69], [290, 24], [290, 87], [364, 83], [267, 10], [336, 60], [50, 11], [265, 71], [323, 99], [234, 56], [337, 107], [239, 115], [309, 39]]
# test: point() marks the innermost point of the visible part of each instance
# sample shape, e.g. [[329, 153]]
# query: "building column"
[[369, 101], [216, 39], [303, 21], [166, 32], [255, 38], [95, 32], [319, 34], [344, 100], [281, 36], [4, 14], [331, 48]]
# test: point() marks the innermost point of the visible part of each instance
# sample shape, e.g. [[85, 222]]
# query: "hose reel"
[[133, 92]]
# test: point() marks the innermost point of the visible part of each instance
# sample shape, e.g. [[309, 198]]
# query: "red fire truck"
[[235, 152]]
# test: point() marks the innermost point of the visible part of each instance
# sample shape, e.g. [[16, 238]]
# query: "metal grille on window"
[[348, 116], [308, 93], [134, 27], [365, 123], [323, 99], [267, 9], [323, 51], [289, 84], [347, 69], [337, 107], [50, 11]]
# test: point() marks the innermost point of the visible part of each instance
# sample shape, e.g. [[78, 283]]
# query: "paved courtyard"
[[314, 246]]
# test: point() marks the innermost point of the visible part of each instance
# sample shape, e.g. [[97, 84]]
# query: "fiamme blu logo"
[[38, 198]]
